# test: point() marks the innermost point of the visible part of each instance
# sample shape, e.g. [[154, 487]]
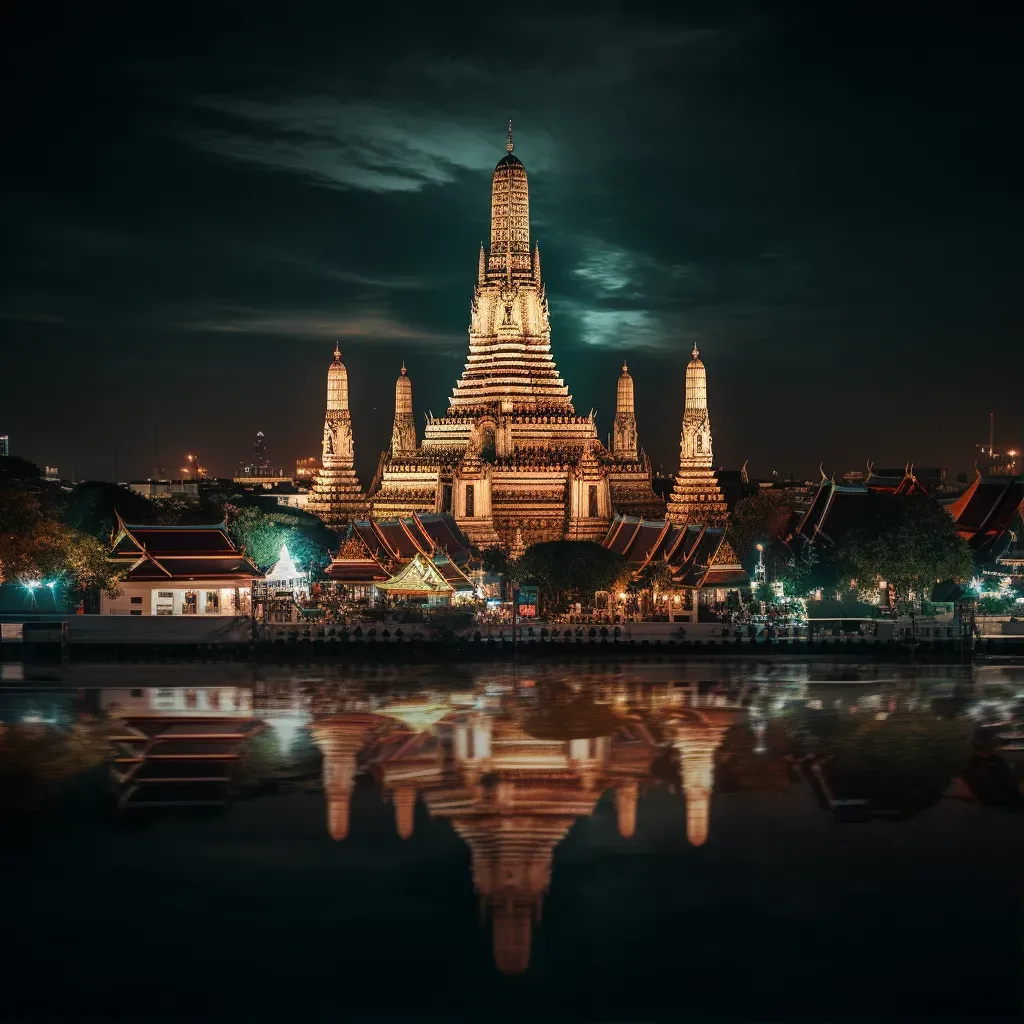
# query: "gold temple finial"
[[695, 352], [624, 370], [403, 370], [337, 353], [509, 144]]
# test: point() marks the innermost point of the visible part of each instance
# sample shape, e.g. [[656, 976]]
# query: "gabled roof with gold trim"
[[418, 577], [180, 553]]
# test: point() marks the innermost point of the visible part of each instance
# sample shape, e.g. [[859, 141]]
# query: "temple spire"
[[509, 145], [696, 497], [336, 495], [403, 433], [481, 270], [624, 432]]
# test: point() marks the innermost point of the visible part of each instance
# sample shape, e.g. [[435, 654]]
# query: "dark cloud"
[[197, 204]]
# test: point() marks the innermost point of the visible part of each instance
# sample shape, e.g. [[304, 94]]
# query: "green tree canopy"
[[36, 546], [92, 508], [262, 532], [758, 519], [567, 570], [495, 560], [908, 541], [804, 570]]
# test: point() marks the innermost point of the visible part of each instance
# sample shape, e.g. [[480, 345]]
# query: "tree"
[[263, 532], [806, 570], [567, 570], [93, 508], [909, 542], [18, 472], [495, 561], [36, 761], [36, 546], [758, 519], [904, 762]]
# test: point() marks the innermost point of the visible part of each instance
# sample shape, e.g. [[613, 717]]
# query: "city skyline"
[[825, 209]]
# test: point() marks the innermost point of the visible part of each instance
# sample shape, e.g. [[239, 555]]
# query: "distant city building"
[[192, 470], [995, 462], [258, 472], [286, 494], [259, 452], [248, 476], [999, 463], [51, 473], [306, 469], [154, 489], [5, 445]]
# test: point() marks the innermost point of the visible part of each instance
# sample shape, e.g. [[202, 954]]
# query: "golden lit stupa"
[[340, 739], [696, 496], [696, 733], [336, 495], [511, 453]]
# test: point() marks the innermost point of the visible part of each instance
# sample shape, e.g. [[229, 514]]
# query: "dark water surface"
[[580, 844]]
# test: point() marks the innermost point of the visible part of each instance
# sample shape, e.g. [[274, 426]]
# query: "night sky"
[[199, 200]]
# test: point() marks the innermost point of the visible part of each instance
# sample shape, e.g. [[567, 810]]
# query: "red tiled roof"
[[363, 571], [178, 540], [988, 509], [234, 567]]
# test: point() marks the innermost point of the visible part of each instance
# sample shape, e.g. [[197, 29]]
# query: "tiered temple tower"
[[403, 433], [510, 452], [624, 436], [696, 496], [340, 738], [336, 495]]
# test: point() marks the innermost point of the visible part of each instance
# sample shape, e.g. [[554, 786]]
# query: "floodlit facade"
[[336, 496], [510, 453], [696, 496], [179, 570]]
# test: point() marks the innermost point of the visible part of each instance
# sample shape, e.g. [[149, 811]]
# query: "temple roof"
[[418, 577], [180, 553], [987, 511], [130, 540], [690, 551], [429, 533], [834, 510]]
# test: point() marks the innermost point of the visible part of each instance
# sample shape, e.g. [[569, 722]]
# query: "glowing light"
[[286, 727], [976, 584], [622, 595], [52, 584], [285, 567], [32, 584], [760, 547]]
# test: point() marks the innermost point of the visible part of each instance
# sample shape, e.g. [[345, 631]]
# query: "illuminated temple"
[[696, 496], [336, 495], [511, 453], [513, 775]]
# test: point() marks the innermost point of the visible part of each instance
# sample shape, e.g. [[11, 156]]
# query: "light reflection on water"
[[511, 759]]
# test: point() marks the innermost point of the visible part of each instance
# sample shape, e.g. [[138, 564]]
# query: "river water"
[[641, 841]]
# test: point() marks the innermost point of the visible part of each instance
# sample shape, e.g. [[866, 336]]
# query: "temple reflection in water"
[[512, 774], [510, 760]]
